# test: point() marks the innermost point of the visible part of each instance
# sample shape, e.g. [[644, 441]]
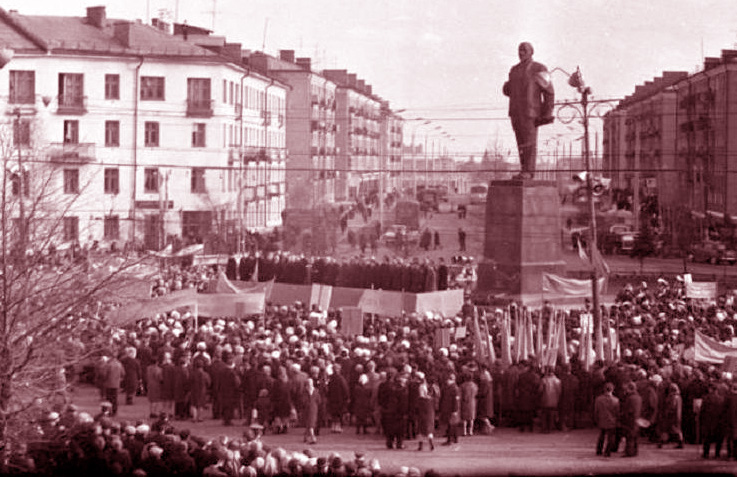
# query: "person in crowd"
[[168, 379], [449, 409], [426, 400], [569, 391], [730, 420], [112, 372], [712, 421], [395, 406], [670, 417], [132, 379], [362, 409], [281, 402], [606, 415], [311, 399], [337, 398], [485, 397], [630, 418], [154, 378], [526, 396], [469, 394], [199, 386], [550, 392], [228, 385]]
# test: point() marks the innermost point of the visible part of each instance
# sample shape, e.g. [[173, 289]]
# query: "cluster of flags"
[[523, 334]]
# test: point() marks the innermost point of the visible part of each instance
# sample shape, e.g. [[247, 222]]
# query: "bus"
[[478, 193]]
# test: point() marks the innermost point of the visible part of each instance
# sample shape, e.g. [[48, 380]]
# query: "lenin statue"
[[531, 99]]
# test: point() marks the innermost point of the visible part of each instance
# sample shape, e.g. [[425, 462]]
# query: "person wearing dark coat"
[[337, 399], [231, 269], [216, 372], [606, 415], [449, 408], [228, 390], [629, 418], [730, 419], [199, 384], [567, 404], [526, 396], [669, 419], [442, 275], [132, 376], [712, 421], [181, 389], [167, 384], [362, 408], [394, 411], [281, 401]]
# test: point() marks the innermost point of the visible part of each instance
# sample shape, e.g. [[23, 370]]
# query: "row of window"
[[151, 133], [152, 181], [22, 90]]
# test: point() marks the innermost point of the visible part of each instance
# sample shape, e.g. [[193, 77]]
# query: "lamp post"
[[585, 109], [424, 122]]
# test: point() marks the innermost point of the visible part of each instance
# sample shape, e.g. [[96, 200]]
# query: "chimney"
[[122, 33], [304, 63], [286, 55], [710, 62], [233, 50], [96, 16], [160, 25], [369, 89], [339, 77], [361, 85], [351, 80]]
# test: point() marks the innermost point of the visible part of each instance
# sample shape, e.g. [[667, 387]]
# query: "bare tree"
[[50, 308]]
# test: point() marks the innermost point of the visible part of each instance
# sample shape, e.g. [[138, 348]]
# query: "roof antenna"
[[266, 26]]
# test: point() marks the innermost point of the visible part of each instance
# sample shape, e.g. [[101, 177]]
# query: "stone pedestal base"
[[523, 237]]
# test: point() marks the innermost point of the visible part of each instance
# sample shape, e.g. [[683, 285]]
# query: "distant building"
[[155, 135]]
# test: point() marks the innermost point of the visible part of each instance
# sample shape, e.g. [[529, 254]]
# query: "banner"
[[442, 338], [153, 306], [506, 350], [557, 285], [380, 302], [351, 321], [445, 302], [341, 297], [287, 294], [701, 290], [230, 304], [320, 295], [222, 284], [709, 350]]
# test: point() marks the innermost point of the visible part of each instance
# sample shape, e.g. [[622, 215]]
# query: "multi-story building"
[[149, 133], [311, 128], [390, 149], [681, 126], [359, 117]]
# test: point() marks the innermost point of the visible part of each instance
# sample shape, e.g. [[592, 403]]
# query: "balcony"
[[72, 104], [199, 108], [66, 153]]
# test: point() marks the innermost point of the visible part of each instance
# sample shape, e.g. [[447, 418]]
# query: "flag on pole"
[[539, 341], [518, 334], [562, 345], [529, 341], [489, 341], [254, 275], [506, 349], [480, 352], [581, 252]]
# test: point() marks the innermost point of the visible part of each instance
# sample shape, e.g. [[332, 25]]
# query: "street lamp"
[[583, 109]]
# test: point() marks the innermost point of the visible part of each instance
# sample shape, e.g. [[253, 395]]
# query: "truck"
[[619, 238]]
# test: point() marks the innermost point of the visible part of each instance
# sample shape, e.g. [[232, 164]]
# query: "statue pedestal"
[[522, 239]]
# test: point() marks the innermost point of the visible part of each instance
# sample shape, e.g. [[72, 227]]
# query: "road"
[[505, 452], [447, 224]]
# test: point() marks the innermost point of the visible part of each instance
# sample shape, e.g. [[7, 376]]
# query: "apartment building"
[[390, 148], [311, 128], [149, 133], [359, 118]]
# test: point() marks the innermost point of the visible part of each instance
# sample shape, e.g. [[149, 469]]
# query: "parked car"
[[713, 252], [619, 238], [397, 234]]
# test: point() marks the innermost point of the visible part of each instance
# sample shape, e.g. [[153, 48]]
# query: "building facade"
[[151, 135]]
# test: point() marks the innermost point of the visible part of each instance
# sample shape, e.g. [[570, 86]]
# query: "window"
[[21, 133], [71, 90], [151, 134], [112, 86], [225, 91], [71, 131], [112, 228], [198, 135], [151, 180], [22, 87], [15, 183], [71, 181], [198, 180], [198, 96], [112, 180], [152, 88], [112, 133], [71, 229]]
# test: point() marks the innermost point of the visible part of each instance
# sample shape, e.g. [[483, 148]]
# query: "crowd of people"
[[412, 275], [290, 370]]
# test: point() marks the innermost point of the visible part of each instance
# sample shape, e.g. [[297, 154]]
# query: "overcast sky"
[[446, 60]]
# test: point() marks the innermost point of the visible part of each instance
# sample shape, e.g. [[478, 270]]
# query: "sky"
[[446, 60]]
